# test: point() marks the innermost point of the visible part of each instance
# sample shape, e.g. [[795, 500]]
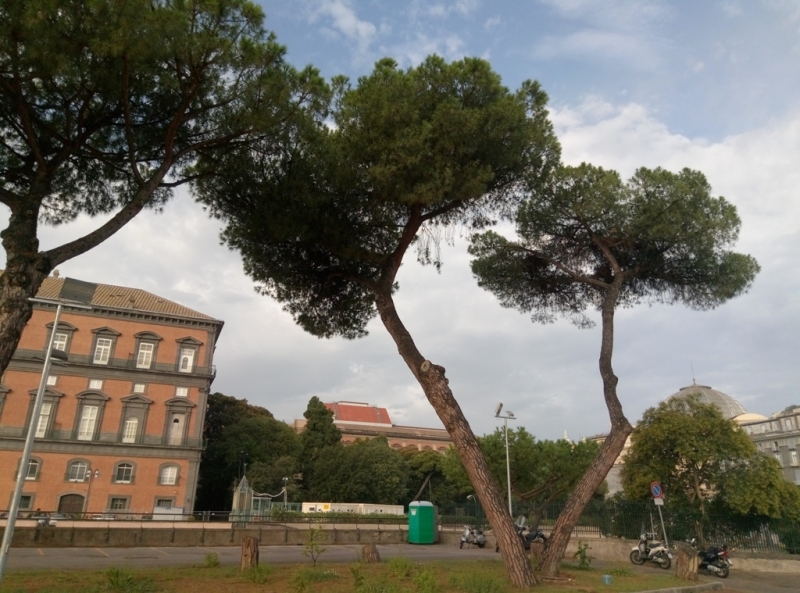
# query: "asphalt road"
[[101, 558]]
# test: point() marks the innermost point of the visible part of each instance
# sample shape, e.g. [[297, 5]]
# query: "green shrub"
[[122, 581], [582, 556], [478, 583], [211, 560]]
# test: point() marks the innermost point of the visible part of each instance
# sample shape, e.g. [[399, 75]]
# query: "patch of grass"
[[452, 576], [258, 574], [478, 582], [620, 572], [399, 566], [425, 582], [122, 581]]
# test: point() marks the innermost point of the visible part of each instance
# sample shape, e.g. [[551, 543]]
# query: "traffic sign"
[[659, 502], [656, 491]]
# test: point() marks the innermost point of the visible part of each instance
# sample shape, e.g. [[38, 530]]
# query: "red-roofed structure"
[[358, 420]]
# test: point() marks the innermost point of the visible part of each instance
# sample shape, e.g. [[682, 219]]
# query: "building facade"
[[120, 429], [779, 436], [358, 420]]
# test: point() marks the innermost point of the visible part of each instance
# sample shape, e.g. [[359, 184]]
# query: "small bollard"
[[607, 579]]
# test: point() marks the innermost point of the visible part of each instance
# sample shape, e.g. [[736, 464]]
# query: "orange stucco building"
[[120, 430]]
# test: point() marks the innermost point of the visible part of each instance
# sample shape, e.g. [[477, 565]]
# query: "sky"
[[710, 85]]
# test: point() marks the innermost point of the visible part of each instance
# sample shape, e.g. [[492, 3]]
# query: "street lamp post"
[[508, 416], [285, 481], [74, 294], [93, 475]]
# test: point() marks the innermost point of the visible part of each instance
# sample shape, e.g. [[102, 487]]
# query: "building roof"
[[729, 407], [124, 298], [350, 412]]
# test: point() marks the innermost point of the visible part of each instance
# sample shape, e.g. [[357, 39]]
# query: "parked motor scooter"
[[472, 534], [650, 549], [527, 536], [714, 560]]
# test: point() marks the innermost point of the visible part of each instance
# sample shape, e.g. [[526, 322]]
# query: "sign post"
[[658, 499]]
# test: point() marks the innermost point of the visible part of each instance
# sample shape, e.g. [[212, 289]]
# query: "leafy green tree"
[[401, 156], [703, 459], [233, 426], [587, 239], [542, 472], [427, 479], [367, 471], [105, 107], [319, 433]]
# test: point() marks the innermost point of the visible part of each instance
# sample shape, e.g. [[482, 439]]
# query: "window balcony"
[[118, 363]]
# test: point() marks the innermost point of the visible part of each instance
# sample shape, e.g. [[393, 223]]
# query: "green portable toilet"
[[421, 523]]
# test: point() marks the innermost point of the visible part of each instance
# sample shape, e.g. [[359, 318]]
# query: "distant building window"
[[139, 387], [118, 504], [787, 423], [793, 458], [60, 341], [145, 357], [102, 350], [186, 360], [131, 430], [78, 471], [26, 502], [95, 383], [33, 469], [169, 475], [88, 423], [774, 445], [124, 473], [52, 380], [181, 391], [778, 458], [164, 503], [763, 428], [44, 420]]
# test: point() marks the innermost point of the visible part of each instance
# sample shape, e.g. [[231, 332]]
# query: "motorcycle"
[[527, 538], [472, 535], [714, 560], [650, 549]]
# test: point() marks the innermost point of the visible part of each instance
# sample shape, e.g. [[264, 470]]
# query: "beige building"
[[358, 420], [120, 429]]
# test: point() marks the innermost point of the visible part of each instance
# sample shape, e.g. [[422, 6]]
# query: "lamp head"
[[510, 414], [498, 409]]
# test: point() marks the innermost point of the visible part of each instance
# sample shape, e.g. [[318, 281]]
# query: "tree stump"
[[369, 553], [249, 553], [687, 562]]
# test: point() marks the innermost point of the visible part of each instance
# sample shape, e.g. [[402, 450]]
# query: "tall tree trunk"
[[609, 451], [435, 385], [24, 273]]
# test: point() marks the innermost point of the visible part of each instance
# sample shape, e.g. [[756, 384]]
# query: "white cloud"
[[345, 21]]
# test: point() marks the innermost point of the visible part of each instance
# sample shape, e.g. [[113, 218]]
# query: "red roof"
[[356, 412]]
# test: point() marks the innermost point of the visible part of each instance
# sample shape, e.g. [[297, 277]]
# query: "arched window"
[[168, 475], [78, 471], [123, 473], [131, 430]]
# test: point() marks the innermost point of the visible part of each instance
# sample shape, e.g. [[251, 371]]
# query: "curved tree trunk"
[[435, 385], [609, 451], [24, 273]]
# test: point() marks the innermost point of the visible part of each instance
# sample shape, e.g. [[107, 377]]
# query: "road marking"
[[159, 551], [102, 552], [41, 552], [209, 551]]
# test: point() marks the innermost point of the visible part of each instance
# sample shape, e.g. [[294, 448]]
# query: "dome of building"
[[729, 407], [749, 417]]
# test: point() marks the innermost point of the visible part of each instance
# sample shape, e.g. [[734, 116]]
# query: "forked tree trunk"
[[435, 386], [609, 451]]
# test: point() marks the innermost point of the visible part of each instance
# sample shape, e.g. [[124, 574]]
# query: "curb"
[[688, 589]]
